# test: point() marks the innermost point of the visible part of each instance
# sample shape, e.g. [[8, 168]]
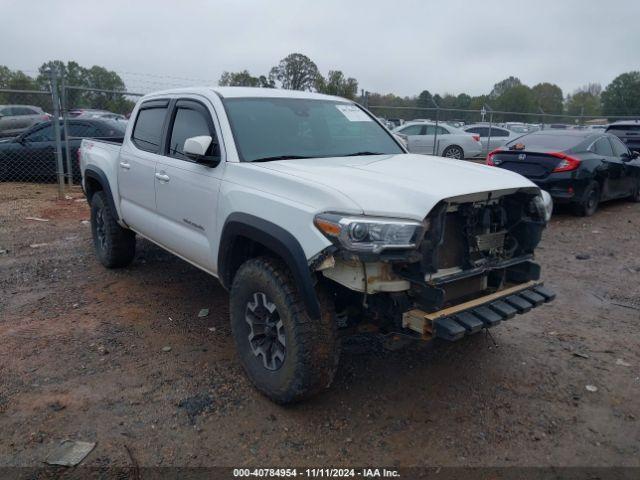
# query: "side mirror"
[[635, 154], [196, 149]]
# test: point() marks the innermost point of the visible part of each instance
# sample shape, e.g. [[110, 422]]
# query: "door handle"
[[162, 177], [125, 165]]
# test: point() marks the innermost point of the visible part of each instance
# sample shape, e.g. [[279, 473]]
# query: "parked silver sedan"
[[491, 140], [15, 119], [452, 142]]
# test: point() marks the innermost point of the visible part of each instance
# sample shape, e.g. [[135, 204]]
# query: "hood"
[[403, 185]]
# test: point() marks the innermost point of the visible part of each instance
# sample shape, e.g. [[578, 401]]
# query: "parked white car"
[[452, 142], [315, 218], [491, 139]]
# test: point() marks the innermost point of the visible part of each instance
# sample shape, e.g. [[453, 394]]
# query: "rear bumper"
[[563, 188], [470, 317]]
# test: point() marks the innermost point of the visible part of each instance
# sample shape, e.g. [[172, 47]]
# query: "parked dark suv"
[[628, 131]]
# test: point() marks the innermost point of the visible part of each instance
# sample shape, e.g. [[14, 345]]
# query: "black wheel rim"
[[266, 331], [101, 233]]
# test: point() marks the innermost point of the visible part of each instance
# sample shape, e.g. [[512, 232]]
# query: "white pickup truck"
[[317, 221]]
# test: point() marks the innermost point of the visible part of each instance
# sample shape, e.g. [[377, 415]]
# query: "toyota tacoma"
[[318, 222]]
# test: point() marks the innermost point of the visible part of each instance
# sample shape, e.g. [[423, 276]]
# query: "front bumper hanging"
[[470, 317]]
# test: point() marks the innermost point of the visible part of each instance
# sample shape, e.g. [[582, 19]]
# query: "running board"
[[455, 322]]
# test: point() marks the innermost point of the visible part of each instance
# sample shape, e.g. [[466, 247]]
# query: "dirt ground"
[[82, 356]]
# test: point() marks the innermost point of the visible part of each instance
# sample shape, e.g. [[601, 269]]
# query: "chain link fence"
[[28, 147], [34, 147], [430, 130]]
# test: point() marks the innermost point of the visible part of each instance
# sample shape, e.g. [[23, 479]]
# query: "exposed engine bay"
[[470, 249]]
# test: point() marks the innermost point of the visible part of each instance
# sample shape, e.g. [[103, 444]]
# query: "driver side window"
[[191, 120], [44, 134]]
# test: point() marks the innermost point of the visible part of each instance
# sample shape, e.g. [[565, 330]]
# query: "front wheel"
[[286, 355], [453, 151]]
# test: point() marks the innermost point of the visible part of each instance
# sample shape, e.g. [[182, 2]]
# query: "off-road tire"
[[115, 246], [312, 345], [453, 151], [589, 204]]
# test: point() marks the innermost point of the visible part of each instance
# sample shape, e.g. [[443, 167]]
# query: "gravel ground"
[[121, 358]]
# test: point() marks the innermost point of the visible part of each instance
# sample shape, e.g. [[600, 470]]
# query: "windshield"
[[281, 128]]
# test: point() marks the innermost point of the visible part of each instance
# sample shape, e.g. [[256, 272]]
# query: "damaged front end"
[[468, 265]]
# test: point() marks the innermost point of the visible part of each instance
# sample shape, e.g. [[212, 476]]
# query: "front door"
[[187, 191], [137, 168]]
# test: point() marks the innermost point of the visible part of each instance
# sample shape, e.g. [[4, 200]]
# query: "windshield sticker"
[[353, 113]]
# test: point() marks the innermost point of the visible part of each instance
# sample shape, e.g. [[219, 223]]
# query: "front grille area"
[[473, 235]]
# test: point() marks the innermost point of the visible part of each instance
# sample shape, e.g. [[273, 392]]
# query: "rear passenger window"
[[147, 132], [188, 123], [619, 148], [603, 147], [498, 132]]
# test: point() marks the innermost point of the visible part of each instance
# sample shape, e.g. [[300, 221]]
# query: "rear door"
[[495, 138], [610, 169], [137, 167], [625, 181], [414, 140], [186, 191]]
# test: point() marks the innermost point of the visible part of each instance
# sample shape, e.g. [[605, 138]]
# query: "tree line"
[[73, 74], [298, 72], [295, 72]]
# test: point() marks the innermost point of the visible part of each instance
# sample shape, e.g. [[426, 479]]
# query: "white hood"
[[404, 185]]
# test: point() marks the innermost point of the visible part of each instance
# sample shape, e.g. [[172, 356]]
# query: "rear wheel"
[[453, 151], [286, 355], [590, 200], [115, 246]]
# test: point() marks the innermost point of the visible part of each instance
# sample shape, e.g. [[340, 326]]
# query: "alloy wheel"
[[266, 331]]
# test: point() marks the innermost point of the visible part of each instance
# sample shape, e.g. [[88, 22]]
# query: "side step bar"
[[468, 318]]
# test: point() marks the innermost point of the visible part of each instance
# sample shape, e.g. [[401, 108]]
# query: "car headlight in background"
[[543, 205], [370, 234]]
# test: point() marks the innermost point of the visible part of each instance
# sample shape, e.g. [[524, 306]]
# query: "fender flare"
[[276, 239], [99, 176]]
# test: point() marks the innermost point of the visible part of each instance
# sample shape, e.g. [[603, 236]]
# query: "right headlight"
[[370, 234], [542, 205]]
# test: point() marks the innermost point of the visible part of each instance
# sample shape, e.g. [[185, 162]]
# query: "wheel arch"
[[454, 145], [95, 180], [245, 236]]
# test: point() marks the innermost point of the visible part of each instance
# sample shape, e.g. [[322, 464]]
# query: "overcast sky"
[[402, 46]]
